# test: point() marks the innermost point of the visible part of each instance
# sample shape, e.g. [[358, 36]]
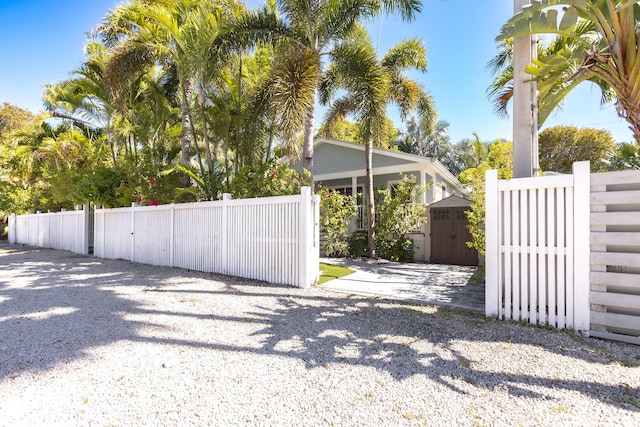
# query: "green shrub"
[[396, 216], [336, 211], [271, 179], [397, 249], [359, 244]]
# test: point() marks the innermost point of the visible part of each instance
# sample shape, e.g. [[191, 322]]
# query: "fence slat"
[[524, 255], [508, 255], [533, 257], [552, 256], [561, 258]]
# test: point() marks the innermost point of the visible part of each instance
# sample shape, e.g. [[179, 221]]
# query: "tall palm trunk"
[[307, 147], [371, 208], [205, 132], [111, 146], [185, 138]]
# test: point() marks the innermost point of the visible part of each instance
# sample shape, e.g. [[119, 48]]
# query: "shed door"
[[449, 234]]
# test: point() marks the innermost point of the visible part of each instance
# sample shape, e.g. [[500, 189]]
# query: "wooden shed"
[[450, 233]]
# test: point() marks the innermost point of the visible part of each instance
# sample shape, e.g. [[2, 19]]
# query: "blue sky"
[[42, 42]]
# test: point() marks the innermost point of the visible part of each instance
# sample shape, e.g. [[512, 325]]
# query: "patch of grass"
[[330, 272], [560, 409], [448, 312]]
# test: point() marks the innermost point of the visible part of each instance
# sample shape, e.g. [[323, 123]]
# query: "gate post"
[[13, 228], [309, 238], [582, 246], [225, 236], [86, 232], [134, 205], [492, 248]]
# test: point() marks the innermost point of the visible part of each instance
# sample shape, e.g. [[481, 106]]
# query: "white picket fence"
[[275, 239], [565, 251], [67, 230]]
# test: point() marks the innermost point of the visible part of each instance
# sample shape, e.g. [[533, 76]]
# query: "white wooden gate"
[[537, 256]]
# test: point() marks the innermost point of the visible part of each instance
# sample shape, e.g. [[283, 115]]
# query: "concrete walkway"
[[437, 284]]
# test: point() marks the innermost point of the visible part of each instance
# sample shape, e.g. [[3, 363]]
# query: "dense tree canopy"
[[13, 118], [561, 146]]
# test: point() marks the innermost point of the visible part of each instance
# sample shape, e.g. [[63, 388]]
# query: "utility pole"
[[525, 105]]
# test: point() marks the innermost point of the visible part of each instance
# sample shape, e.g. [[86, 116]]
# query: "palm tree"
[[85, 99], [367, 85], [180, 34], [309, 29], [500, 92], [436, 143], [601, 46]]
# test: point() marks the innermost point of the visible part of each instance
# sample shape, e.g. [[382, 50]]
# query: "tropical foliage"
[[624, 156], [307, 31], [598, 41], [336, 211], [183, 100], [164, 108], [457, 157], [499, 156], [398, 214]]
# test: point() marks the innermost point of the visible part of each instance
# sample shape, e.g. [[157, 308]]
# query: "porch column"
[[354, 192], [422, 180], [430, 195]]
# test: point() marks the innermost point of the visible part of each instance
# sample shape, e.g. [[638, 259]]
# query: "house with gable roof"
[[340, 165]]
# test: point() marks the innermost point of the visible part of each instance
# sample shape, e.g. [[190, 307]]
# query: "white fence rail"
[[275, 239], [537, 253], [67, 230], [615, 255]]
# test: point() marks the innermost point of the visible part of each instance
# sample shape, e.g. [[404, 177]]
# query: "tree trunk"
[[630, 111], [111, 146], [269, 143], [185, 138], [205, 134], [307, 148], [371, 208]]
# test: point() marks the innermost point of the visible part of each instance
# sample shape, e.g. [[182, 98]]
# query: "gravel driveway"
[[85, 341]]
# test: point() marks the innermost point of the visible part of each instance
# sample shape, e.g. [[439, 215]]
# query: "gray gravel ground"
[[90, 342]]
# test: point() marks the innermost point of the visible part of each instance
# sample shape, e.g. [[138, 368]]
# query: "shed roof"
[[451, 202]]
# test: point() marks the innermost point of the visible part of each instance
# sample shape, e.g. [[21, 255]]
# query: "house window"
[[347, 191], [360, 219]]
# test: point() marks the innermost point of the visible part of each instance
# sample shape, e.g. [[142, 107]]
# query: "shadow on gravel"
[[438, 284], [72, 307], [51, 312]]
